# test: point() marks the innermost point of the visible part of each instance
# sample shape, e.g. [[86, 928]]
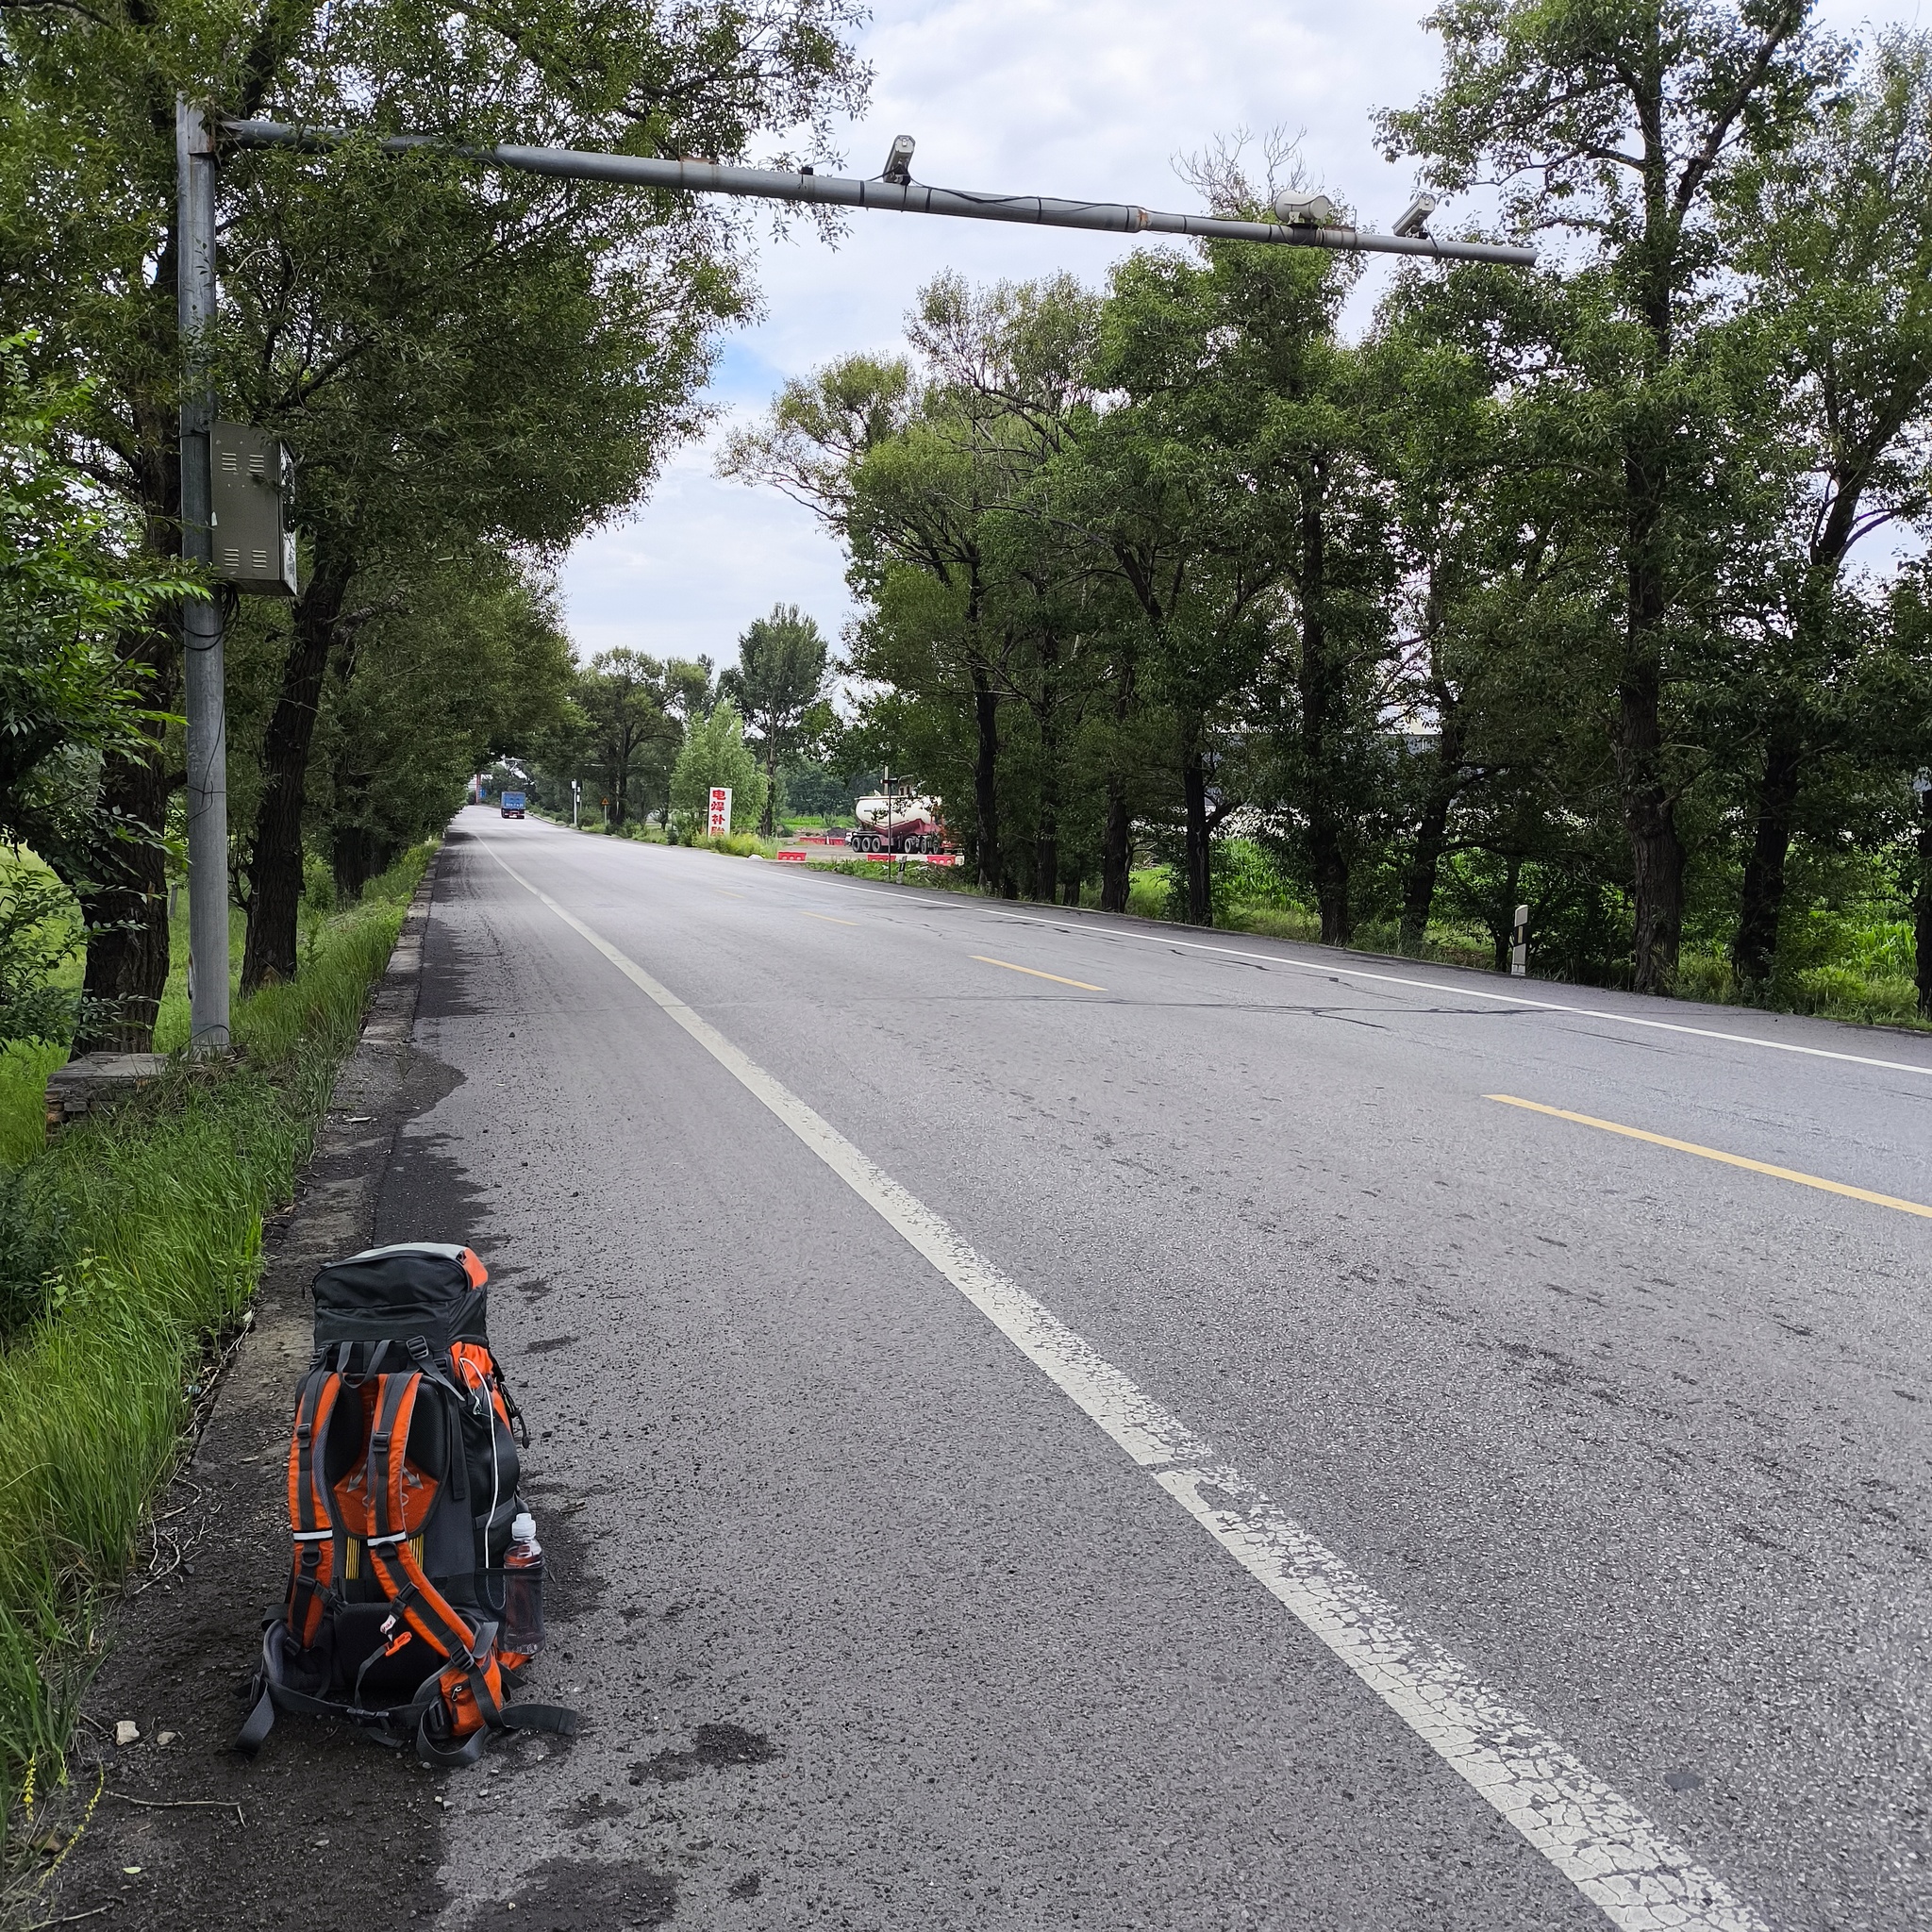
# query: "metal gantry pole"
[[901, 196], [201, 622]]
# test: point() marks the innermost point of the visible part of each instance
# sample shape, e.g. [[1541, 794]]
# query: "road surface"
[[1053, 1422]]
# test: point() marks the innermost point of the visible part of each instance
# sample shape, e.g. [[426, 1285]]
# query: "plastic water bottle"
[[522, 1590]]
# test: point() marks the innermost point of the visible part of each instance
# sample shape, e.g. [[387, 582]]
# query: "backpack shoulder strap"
[[312, 1519], [397, 1568]]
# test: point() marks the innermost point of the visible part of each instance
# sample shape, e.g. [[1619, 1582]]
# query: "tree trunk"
[[1431, 835], [274, 864], [768, 825], [1116, 847], [1656, 854], [1200, 875], [1046, 841], [124, 905], [986, 765], [125, 902], [617, 806], [352, 857], [1754, 954], [1117, 830], [1046, 859], [1327, 852], [1418, 877], [1922, 925]]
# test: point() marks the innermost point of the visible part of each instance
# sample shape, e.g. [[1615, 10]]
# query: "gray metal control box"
[[253, 546]]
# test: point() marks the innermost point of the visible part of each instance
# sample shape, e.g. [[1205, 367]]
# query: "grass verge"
[[159, 1206]]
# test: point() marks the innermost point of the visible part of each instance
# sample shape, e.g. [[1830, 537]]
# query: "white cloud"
[[1078, 98]]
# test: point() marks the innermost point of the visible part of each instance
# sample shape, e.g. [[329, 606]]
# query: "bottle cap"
[[523, 1529]]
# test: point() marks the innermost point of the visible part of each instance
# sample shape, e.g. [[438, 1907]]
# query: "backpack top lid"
[[429, 1289]]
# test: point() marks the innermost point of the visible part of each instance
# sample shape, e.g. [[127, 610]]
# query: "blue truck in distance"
[[512, 804]]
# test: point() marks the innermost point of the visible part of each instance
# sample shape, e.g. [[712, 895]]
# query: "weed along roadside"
[[131, 1253]]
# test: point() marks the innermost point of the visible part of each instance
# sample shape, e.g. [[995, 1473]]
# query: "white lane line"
[[1324, 970], [1615, 1856]]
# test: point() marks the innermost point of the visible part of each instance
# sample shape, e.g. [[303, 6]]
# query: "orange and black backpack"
[[402, 1472]]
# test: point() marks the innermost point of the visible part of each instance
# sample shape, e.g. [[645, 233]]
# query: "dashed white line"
[[1610, 1850]]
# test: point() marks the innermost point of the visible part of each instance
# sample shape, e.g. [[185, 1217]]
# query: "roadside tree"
[[1625, 129], [715, 754], [778, 684]]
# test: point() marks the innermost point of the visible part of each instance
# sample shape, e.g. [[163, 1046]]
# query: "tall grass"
[[163, 1202]]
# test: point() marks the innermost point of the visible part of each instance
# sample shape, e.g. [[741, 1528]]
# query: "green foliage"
[[628, 738], [778, 684], [33, 1240], [908, 872], [715, 754], [67, 587], [39, 932], [462, 666]]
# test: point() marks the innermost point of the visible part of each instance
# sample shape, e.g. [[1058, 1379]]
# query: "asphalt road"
[[1605, 1462]]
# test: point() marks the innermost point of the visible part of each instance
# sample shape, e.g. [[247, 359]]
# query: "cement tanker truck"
[[900, 824]]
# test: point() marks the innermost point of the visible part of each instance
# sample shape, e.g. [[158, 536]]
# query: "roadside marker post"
[[1519, 944], [721, 811]]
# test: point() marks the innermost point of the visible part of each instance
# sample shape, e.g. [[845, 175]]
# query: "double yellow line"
[[1781, 1173]]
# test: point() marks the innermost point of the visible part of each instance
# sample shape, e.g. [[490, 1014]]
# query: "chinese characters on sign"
[[720, 809]]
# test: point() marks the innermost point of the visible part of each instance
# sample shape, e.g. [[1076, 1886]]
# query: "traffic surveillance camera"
[[898, 168], [1414, 220], [1307, 211]]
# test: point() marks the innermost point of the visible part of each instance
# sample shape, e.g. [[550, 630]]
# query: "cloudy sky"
[[1066, 97]]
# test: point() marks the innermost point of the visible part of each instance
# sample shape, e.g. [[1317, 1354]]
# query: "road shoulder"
[[187, 1833]]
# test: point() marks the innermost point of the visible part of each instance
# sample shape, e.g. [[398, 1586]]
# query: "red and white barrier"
[[882, 858]]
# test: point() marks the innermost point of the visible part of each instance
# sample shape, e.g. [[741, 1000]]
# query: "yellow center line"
[[1085, 986], [725, 893], [826, 917], [1782, 1174]]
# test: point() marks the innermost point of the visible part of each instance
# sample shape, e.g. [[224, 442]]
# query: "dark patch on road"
[[591, 1809], [713, 1748], [1682, 1780], [587, 1895], [549, 1342], [748, 1887]]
